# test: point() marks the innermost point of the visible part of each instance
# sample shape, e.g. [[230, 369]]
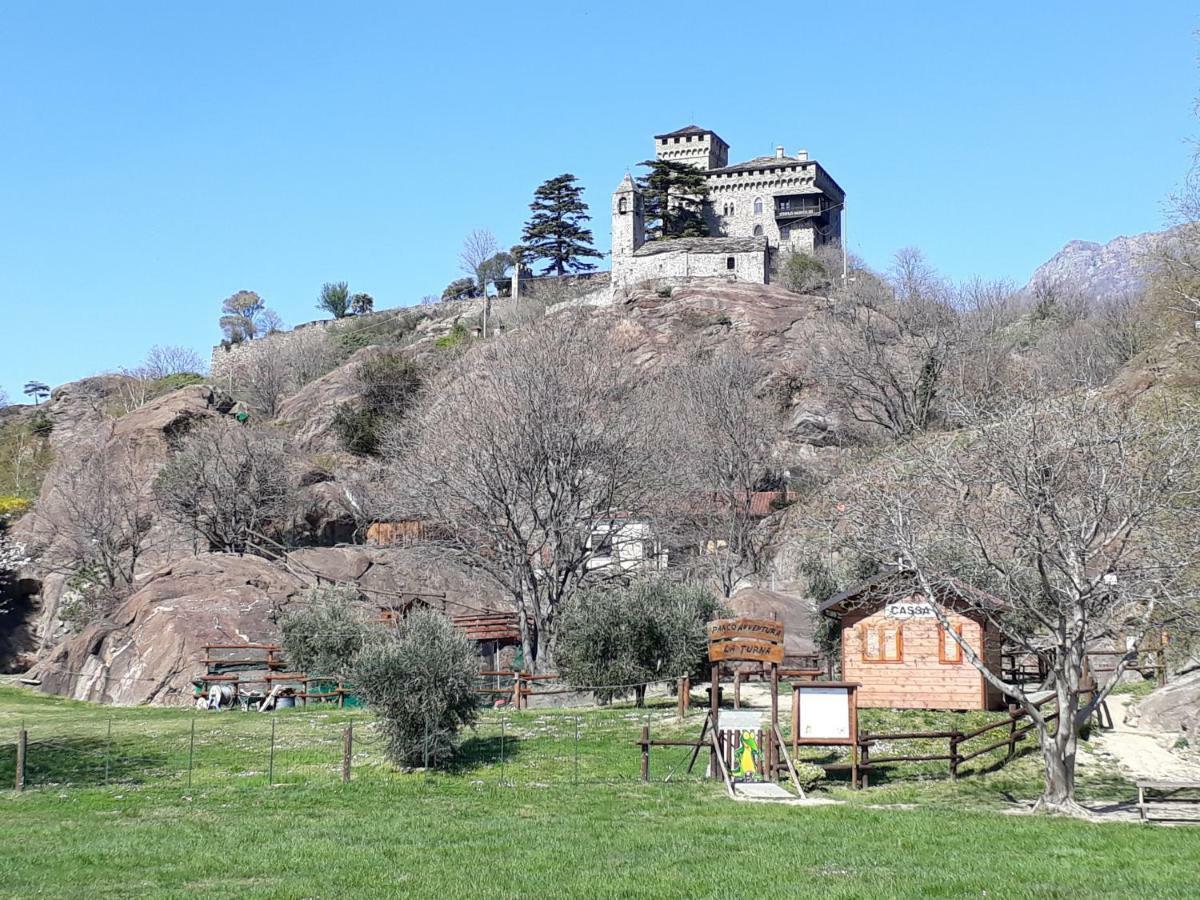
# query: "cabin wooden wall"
[[920, 680]]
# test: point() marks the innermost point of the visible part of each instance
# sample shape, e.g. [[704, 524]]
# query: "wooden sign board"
[[745, 640], [745, 651]]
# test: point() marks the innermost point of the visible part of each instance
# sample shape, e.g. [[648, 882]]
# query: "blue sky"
[[159, 156]]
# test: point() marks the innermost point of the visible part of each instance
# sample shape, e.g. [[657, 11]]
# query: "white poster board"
[[824, 712]]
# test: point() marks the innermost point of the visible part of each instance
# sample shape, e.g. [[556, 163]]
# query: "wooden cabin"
[[902, 657]]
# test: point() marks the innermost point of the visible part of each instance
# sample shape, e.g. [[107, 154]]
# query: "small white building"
[[626, 544]]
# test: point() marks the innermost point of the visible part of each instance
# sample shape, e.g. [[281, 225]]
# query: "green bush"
[[804, 274], [356, 430], [457, 336], [169, 383], [647, 631], [324, 630], [391, 383], [421, 686]]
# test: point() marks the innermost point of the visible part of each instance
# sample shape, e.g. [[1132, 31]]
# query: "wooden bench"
[[1168, 806]]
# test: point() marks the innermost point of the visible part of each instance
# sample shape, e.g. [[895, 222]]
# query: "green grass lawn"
[[532, 819]]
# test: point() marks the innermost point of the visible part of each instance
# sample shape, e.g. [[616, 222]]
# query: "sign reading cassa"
[[909, 610], [745, 640]]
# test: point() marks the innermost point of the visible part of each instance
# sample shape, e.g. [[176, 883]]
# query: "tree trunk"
[[1058, 795], [1059, 751]]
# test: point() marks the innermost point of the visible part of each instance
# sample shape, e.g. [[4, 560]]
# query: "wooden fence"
[[1017, 724]]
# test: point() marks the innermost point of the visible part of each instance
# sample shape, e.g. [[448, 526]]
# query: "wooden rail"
[[954, 755]]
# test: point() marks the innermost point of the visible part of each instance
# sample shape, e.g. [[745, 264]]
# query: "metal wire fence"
[[200, 750]]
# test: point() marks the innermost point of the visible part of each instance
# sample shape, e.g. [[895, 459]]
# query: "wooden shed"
[[895, 648]]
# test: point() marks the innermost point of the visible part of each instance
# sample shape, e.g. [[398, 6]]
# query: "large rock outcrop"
[[1171, 709], [85, 427], [150, 648]]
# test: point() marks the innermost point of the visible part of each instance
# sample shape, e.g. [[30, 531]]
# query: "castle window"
[[758, 206], [622, 206], [730, 263], [758, 231]]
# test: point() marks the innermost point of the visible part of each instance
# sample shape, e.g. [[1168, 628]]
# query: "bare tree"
[[96, 524], [1078, 513], [884, 348], [726, 427], [478, 250], [165, 360], [527, 458], [277, 368], [229, 483]]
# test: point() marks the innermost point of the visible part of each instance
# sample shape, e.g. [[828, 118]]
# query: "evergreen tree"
[[557, 230], [673, 200]]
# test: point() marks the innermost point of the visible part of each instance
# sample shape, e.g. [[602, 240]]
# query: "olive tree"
[[420, 683], [228, 483], [615, 640], [325, 628], [1078, 513]]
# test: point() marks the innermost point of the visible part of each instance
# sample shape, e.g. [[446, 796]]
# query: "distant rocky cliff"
[[1099, 271]]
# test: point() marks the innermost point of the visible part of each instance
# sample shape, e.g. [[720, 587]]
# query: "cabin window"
[[882, 643], [949, 651], [730, 263], [758, 206]]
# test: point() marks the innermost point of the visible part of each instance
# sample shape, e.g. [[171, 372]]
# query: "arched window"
[[758, 206], [758, 231], [622, 205]]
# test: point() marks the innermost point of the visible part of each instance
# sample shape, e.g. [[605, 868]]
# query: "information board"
[[824, 712]]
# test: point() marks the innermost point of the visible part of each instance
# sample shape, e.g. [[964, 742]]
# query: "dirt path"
[[1139, 753]]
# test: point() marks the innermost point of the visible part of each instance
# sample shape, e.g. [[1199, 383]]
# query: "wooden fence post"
[[22, 742], [681, 699], [516, 690], [347, 751], [645, 753], [955, 737], [864, 760]]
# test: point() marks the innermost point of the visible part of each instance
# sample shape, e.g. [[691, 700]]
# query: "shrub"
[[228, 482], [12, 507], [647, 631], [169, 383], [458, 335], [421, 685], [808, 774], [390, 383], [325, 630], [356, 430], [804, 274]]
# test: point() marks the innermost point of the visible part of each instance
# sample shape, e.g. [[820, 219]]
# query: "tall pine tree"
[[673, 197], [557, 230]]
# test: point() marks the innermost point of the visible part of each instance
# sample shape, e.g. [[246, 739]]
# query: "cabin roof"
[[894, 582]]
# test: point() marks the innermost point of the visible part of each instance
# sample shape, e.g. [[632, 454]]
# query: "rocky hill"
[[1099, 271], [146, 649]]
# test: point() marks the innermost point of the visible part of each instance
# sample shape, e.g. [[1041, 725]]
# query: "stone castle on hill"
[[757, 212]]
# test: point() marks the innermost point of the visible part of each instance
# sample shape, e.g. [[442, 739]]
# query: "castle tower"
[[628, 228]]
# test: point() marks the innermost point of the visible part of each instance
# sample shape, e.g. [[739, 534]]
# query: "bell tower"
[[628, 228]]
